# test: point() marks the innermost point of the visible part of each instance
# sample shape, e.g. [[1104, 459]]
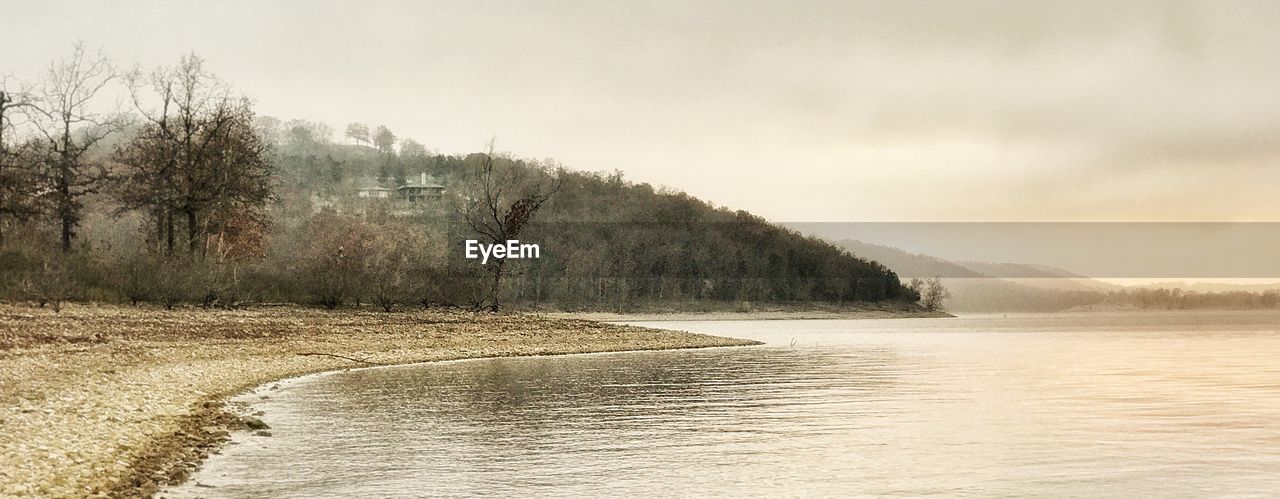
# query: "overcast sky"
[[798, 111]]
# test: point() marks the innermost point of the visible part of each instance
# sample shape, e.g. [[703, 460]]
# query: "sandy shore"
[[116, 401]]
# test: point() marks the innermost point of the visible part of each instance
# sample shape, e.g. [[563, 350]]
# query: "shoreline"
[[767, 315], [121, 401]]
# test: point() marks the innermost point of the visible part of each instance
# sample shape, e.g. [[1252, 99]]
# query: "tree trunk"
[[192, 230], [497, 281], [65, 210], [169, 237], [66, 235], [159, 220]]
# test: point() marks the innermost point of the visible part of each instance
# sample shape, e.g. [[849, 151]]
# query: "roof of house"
[[418, 185], [370, 184]]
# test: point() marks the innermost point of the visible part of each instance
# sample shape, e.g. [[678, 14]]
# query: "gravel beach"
[[118, 401]]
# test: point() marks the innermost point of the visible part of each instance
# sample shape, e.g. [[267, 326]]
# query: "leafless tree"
[[358, 132], [499, 201], [18, 189], [933, 294], [62, 112], [11, 102], [51, 283], [384, 140], [197, 156], [412, 149], [396, 256]]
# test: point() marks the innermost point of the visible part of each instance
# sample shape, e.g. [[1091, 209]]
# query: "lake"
[[1126, 404]]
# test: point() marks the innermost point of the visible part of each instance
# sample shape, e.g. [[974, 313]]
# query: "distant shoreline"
[[768, 315], [121, 401], [754, 312]]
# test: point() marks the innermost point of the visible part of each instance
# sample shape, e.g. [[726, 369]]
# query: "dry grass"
[[114, 401]]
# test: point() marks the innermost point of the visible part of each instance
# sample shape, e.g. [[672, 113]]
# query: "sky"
[[800, 111]]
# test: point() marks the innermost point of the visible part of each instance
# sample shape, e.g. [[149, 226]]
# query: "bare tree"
[[18, 190], [358, 132], [198, 156], [933, 294], [396, 256], [499, 201], [384, 140], [269, 128], [303, 133], [412, 149], [51, 283], [11, 102], [62, 114]]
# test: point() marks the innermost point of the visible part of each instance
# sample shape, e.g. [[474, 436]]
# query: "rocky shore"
[[118, 401]]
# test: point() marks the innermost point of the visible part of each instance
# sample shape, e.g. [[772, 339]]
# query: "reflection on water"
[[1071, 405]]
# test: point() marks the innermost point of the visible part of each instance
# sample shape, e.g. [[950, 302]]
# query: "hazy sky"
[[799, 111]]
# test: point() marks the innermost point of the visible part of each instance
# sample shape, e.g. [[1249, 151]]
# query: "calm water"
[[1071, 405]]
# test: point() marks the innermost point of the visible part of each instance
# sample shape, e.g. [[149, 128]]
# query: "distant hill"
[[979, 287], [610, 244], [1039, 276], [908, 265], [975, 287], [1210, 287]]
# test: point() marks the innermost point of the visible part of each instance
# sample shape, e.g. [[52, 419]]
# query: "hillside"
[[1039, 276], [1212, 287], [986, 287], [619, 245], [385, 224]]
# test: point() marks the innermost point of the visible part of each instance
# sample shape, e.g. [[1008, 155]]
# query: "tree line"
[[185, 195], [1178, 299]]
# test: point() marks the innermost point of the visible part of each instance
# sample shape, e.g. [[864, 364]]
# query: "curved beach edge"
[[122, 402], [187, 454]]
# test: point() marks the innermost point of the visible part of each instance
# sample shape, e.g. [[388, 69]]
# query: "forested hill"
[[654, 245], [607, 242], [271, 211]]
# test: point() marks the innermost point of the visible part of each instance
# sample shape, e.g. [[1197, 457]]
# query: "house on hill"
[[373, 191], [422, 189], [419, 189]]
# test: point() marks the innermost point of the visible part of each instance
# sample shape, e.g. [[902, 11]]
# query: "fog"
[[798, 111]]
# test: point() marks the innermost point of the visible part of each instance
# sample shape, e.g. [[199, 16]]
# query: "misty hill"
[[610, 243], [1029, 288], [1210, 287], [1039, 276], [908, 265], [284, 214]]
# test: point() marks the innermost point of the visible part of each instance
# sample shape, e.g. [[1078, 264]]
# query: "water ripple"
[[1085, 406]]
